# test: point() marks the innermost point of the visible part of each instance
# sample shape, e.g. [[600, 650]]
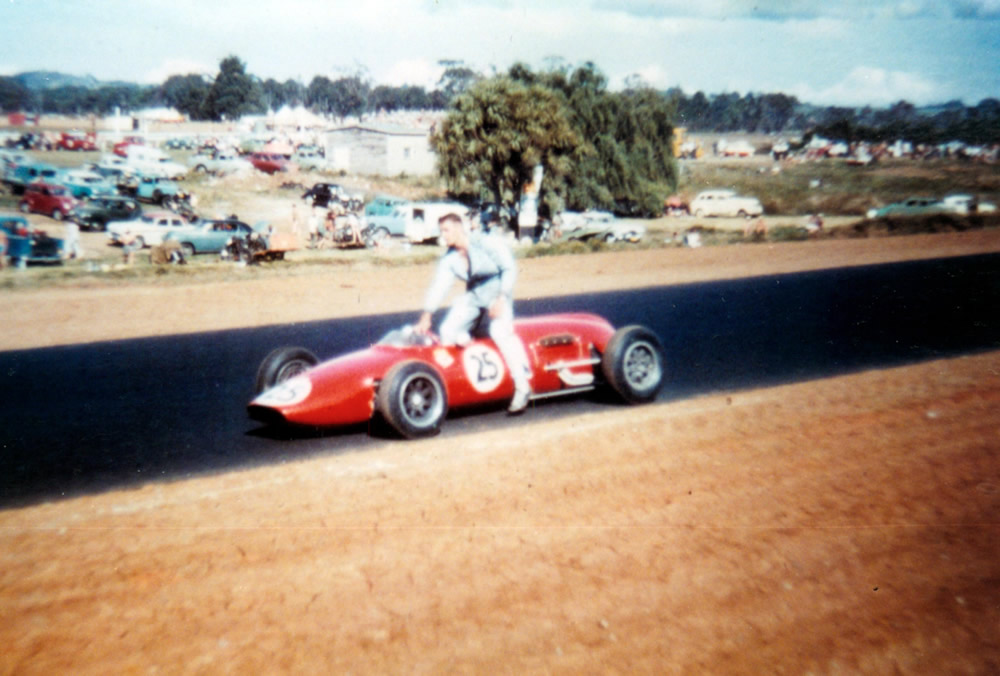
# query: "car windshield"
[[405, 337]]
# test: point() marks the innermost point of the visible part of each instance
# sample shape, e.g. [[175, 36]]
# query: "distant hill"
[[46, 79]]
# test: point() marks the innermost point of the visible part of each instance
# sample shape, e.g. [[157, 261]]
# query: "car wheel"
[[200, 169], [23, 206], [742, 214], [57, 214], [699, 213], [609, 238], [633, 364], [412, 399], [282, 364], [377, 237], [140, 243], [187, 248]]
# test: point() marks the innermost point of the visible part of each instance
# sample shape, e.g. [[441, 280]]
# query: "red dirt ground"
[[846, 525]]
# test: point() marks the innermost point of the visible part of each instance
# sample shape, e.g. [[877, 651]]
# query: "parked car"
[[218, 162], [208, 236], [95, 213], [417, 222], [411, 381], [600, 225], [153, 162], [180, 143], [23, 174], [155, 189], [25, 244], [50, 199], [725, 203], [324, 194], [911, 206], [967, 204], [148, 230], [269, 163], [85, 183], [121, 147], [311, 160], [76, 140], [736, 149], [379, 212]]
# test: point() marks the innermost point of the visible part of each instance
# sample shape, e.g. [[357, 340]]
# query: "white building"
[[380, 150]]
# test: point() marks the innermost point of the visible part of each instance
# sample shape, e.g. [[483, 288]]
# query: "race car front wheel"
[[633, 364], [282, 364], [412, 399]]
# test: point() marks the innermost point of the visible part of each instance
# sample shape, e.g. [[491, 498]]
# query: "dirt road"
[[847, 525]]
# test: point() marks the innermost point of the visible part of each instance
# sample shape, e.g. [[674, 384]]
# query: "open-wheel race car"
[[411, 381]]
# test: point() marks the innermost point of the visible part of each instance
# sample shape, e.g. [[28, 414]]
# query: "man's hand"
[[423, 325]]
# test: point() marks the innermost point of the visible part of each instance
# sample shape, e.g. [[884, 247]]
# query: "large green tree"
[[234, 93], [186, 93], [496, 132], [625, 161]]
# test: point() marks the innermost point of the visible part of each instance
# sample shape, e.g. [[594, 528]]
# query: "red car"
[[412, 380], [120, 147], [76, 141], [45, 198], [269, 163]]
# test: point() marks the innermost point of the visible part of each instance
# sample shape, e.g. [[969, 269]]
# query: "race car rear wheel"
[[412, 399], [633, 364], [282, 364]]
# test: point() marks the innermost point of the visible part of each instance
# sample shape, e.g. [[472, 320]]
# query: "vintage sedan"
[[725, 203], [911, 206], [95, 213], [269, 163], [218, 162], [208, 236], [50, 199], [411, 381], [85, 183], [26, 244], [147, 230]]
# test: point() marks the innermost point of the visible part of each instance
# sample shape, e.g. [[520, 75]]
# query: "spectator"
[[71, 243], [129, 245]]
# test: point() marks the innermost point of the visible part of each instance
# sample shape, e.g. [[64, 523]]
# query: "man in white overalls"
[[489, 271]]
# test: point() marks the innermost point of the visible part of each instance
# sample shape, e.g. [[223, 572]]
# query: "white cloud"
[[874, 86], [177, 67], [418, 72]]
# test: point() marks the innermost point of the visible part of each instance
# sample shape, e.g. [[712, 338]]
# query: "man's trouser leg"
[[511, 348], [461, 317]]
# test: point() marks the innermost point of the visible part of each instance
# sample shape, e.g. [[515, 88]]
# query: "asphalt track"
[[88, 418]]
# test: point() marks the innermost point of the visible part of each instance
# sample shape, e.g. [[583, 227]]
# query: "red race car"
[[412, 380]]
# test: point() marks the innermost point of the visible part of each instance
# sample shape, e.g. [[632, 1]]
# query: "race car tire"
[[633, 364], [282, 364], [412, 399]]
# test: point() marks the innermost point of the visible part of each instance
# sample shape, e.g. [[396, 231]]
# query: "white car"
[[219, 162], [147, 230], [725, 203], [311, 161], [962, 204]]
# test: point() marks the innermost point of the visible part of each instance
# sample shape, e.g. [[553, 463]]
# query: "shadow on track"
[[87, 418]]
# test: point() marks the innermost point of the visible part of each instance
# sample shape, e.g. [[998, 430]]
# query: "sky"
[[825, 52]]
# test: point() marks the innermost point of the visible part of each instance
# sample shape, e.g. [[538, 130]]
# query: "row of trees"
[[599, 149], [233, 92]]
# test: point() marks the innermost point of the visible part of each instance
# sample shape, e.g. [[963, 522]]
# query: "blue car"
[[209, 236], [27, 245]]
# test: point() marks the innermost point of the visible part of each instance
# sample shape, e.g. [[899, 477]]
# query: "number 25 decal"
[[483, 367]]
